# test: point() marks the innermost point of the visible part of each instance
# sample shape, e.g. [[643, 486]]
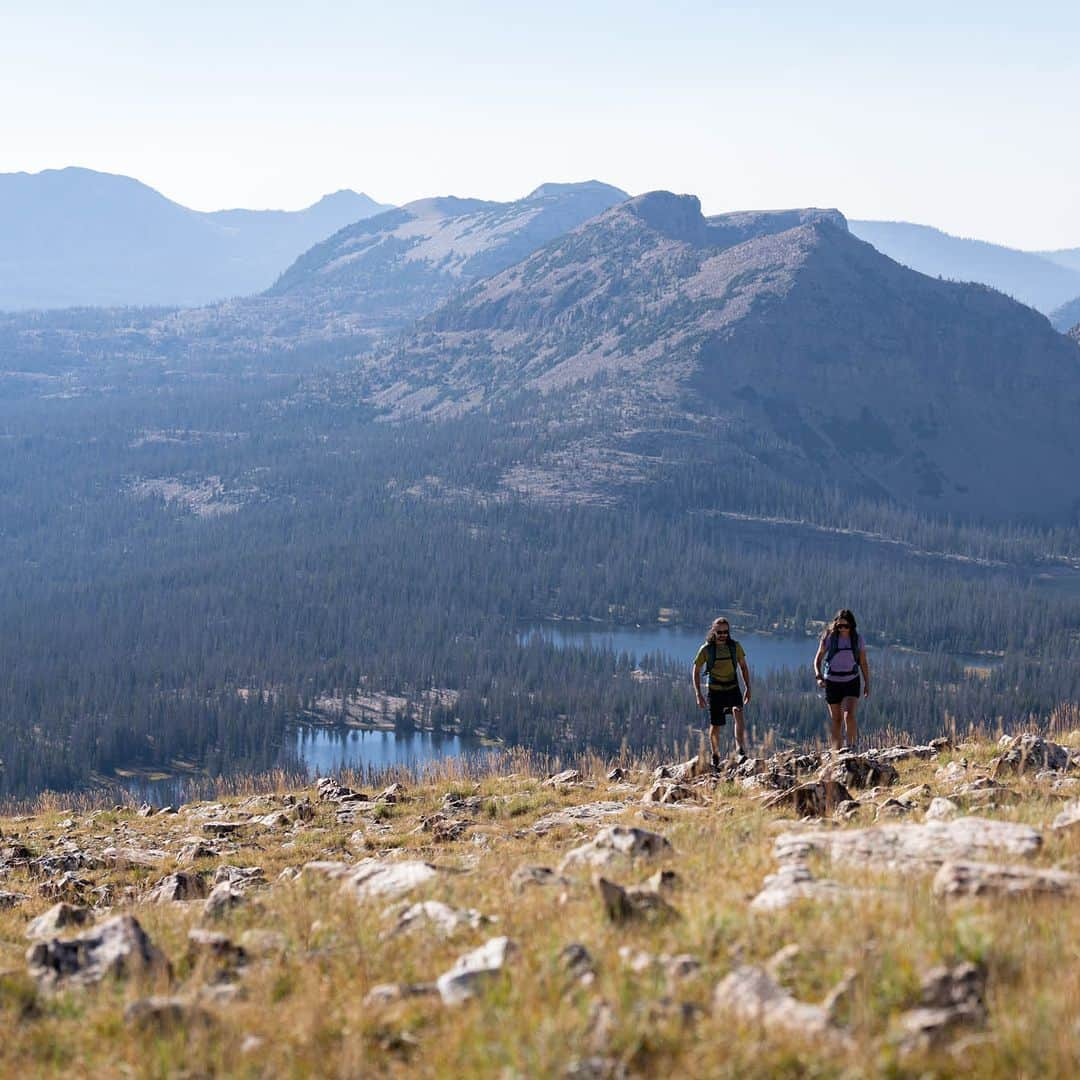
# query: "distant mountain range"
[[774, 346], [1046, 281], [74, 237], [628, 343], [377, 276]]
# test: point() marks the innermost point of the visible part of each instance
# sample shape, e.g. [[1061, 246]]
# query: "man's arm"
[[745, 669], [695, 681]]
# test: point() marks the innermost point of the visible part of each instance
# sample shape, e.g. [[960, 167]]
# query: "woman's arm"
[[864, 665], [820, 655]]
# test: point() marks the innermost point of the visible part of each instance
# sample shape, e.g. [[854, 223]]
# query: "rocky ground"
[[909, 911]]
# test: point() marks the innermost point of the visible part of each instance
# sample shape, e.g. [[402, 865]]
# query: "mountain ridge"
[[679, 323], [1043, 280], [76, 237]]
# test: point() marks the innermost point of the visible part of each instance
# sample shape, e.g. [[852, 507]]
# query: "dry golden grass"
[[302, 1012]]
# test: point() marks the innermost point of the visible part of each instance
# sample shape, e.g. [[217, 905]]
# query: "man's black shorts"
[[835, 692], [721, 702]]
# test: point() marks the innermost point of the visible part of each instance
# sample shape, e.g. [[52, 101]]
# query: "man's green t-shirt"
[[722, 672]]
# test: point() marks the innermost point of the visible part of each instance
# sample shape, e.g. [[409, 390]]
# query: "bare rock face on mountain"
[[775, 343], [391, 269]]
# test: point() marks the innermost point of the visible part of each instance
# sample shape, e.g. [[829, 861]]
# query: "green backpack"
[[710, 661]]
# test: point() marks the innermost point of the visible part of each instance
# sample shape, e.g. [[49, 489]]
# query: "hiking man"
[[724, 658]]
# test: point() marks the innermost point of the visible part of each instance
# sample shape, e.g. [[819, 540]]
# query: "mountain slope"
[[1037, 279], [401, 265], [777, 344], [1067, 257], [1067, 316], [75, 237]]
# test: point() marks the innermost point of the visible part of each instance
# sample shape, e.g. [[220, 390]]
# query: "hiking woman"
[[721, 654], [840, 660]]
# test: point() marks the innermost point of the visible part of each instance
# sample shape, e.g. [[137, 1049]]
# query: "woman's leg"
[[849, 706], [836, 716]]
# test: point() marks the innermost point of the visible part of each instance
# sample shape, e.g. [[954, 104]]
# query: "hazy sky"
[[956, 114]]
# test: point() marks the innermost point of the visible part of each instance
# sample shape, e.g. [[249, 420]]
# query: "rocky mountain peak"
[[589, 187]]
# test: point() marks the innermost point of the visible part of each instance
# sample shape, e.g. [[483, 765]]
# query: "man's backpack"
[[710, 661], [832, 647]]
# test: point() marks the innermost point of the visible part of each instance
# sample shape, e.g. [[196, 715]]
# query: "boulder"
[[617, 843], [223, 828], [328, 789], [222, 899], [566, 778], [1028, 752], [1068, 818], [68, 887], [59, 917], [686, 770], [892, 808], [524, 876], [386, 879], [664, 791], [442, 918], [752, 995], [124, 858], [904, 846], [465, 979], [117, 947], [193, 850], [815, 799], [577, 815], [951, 998], [395, 793], [239, 877], [792, 883], [994, 879], [11, 899], [181, 886], [906, 753], [858, 771], [216, 951], [577, 962], [941, 809], [633, 903]]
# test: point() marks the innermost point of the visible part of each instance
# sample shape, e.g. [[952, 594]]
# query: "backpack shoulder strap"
[[710, 655]]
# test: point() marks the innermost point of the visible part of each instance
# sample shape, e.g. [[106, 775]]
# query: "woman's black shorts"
[[835, 692], [721, 702]]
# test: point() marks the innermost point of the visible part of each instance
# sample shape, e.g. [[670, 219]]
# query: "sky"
[[954, 114]]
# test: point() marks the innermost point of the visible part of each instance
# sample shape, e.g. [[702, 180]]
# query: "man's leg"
[[714, 738], [837, 718], [740, 734]]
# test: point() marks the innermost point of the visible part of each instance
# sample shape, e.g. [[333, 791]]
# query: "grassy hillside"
[[662, 981]]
